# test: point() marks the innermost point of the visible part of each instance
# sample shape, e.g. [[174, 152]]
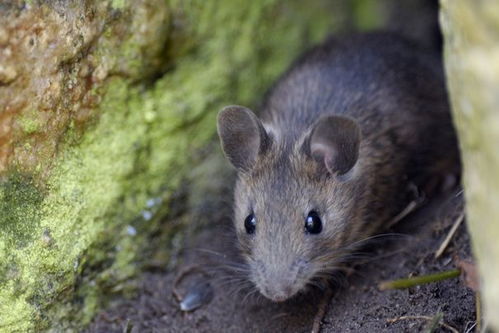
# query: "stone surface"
[[102, 105], [471, 31]]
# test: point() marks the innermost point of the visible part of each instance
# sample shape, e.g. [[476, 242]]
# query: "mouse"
[[339, 141]]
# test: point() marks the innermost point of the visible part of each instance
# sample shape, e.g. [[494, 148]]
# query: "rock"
[[471, 31], [102, 105]]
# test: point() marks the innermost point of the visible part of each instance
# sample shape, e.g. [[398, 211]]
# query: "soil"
[[356, 305]]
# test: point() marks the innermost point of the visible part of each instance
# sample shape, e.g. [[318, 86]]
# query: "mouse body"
[[339, 140]]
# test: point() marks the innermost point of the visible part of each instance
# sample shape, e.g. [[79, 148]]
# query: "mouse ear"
[[334, 141], [242, 136]]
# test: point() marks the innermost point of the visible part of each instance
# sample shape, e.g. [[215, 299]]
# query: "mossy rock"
[[471, 30], [103, 104]]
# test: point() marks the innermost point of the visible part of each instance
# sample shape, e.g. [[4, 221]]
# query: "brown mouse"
[[341, 136]]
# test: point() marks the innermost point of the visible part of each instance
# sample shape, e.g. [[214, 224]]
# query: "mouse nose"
[[279, 298], [278, 292], [283, 293], [278, 280]]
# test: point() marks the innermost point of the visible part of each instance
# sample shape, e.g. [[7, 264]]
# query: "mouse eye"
[[313, 223], [250, 224]]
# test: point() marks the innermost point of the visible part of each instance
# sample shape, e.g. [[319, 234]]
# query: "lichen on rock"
[[471, 31], [103, 103]]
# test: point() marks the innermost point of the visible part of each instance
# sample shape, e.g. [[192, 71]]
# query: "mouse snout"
[[279, 282], [278, 291]]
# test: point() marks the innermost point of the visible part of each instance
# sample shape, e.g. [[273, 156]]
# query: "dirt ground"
[[357, 305]]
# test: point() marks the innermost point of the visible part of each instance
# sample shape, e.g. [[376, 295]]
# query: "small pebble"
[[197, 295]]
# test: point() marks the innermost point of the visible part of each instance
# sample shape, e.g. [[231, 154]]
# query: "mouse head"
[[292, 199]]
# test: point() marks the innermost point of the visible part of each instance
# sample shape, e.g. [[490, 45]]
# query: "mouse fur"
[[344, 132]]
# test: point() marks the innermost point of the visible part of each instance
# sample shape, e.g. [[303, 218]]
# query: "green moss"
[[368, 14], [29, 123], [20, 202], [118, 4], [88, 226]]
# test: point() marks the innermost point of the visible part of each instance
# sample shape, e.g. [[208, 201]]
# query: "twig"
[[316, 327], [447, 326], [128, 327], [414, 281], [412, 206], [471, 328], [478, 308], [433, 324], [451, 233]]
